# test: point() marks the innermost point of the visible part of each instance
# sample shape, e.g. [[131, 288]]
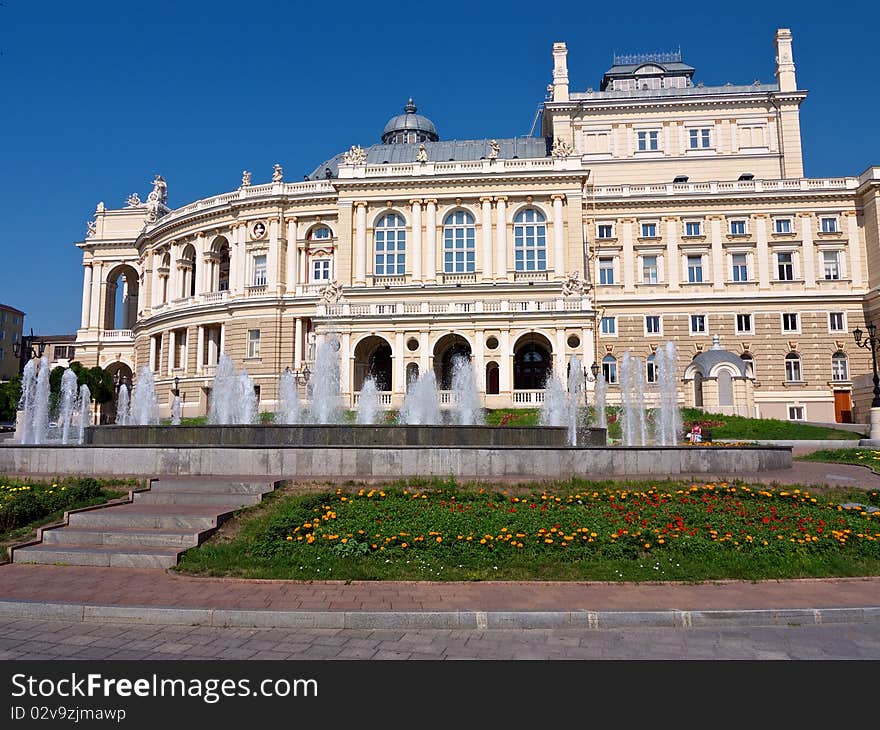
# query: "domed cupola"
[[409, 128]]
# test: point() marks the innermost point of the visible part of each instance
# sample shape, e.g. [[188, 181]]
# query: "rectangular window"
[[789, 322], [698, 324], [792, 369], [692, 228], [180, 350], [737, 228], [695, 269], [796, 413], [651, 374], [605, 230], [459, 244], [321, 270], [839, 368], [836, 322], [259, 270], [648, 141], [253, 343], [831, 265], [609, 369], [740, 267], [785, 266], [783, 225], [700, 138], [649, 269], [652, 324], [744, 324], [609, 326], [649, 230], [606, 271], [829, 225]]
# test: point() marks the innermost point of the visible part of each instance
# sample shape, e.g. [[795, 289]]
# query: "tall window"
[[698, 324], [606, 270], [744, 323], [259, 270], [700, 138], [651, 369], [749, 362], [648, 141], [649, 269], [789, 322], [609, 369], [695, 269], [793, 368], [390, 245], [530, 240], [829, 225], [605, 230], [836, 322], [783, 225], [785, 266], [321, 270], [652, 324], [737, 228], [608, 326], [649, 230], [839, 367], [692, 228], [831, 264], [459, 243], [253, 343], [740, 267]]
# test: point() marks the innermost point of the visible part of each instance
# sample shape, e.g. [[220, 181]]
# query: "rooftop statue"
[[277, 173], [494, 149], [561, 148], [573, 285], [245, 179], [134, 201], [356, 155], [422, 154]]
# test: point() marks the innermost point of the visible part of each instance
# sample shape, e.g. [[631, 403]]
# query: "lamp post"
[[301, 377], [30, 347], [590, 375], [870, 342]]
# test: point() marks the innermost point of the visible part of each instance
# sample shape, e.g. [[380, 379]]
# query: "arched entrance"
[[218, 266], [412, 374], [492, 378], [532, 362], [447, 349], [372, 357], [122, 375], [121, 303]]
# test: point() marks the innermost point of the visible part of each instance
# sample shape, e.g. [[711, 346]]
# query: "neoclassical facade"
[[652, 209]]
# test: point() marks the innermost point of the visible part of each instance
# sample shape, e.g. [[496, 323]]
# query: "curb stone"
[[467, 620]]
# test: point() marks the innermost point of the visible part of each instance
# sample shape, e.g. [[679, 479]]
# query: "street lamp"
[[176, 391], [301, 377], [30, 347], [590, 376], [870, 342]]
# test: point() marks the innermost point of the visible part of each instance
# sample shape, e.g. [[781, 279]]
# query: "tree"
[[10, 394], [98, 380]]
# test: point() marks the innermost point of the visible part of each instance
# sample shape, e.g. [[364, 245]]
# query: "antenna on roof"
[[535, 121]]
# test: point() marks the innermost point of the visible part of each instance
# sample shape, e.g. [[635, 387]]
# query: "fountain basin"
[[338, 435]]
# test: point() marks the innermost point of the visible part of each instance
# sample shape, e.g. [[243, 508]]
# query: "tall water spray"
[[573, 393], [667, 421], [84, 405], [222, 407], [467, 410], [26, 402], [325, 405], [289, 405], [39, 416], [247, 407], [634, 426], [600, 400], [123, 406], [68, 403], [175, 411], [144, 408], [554, 409], [421, 406], [368, 403]]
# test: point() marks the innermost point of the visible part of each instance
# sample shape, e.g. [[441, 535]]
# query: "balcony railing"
[[118, 335], [756, 186], [470, 307], [385, 398], [528, 397]]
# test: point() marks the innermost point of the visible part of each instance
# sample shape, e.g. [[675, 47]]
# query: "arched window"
[[459, 243], [412, 375], [492, 380], [839, 366], [320, 233], [792, 367], [651, 369], [390, 245], [749, 362], [530, 240], [725, 388], [609, 369]]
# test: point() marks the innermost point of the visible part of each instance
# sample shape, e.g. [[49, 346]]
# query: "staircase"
[[149, 532]]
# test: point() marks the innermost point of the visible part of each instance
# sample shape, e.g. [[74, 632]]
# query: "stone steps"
[[149, 532]]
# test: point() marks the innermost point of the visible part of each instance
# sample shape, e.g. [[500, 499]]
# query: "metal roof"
[[671, 93], [443, 151], [706, 361]]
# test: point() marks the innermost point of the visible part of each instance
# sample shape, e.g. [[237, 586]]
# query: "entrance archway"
[[121, 303], [532, 362], [447, 349], [372, 357]]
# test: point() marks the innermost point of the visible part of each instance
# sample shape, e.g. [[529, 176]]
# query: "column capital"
[[486, 199], [416, 201], [849, 213], [501, 198], [360, 204], [804, 214], [761, 215], [558, 196], [670, 218], [430, 201], [715, 217]]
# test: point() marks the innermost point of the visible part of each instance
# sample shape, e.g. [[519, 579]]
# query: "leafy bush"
[[24, 503]]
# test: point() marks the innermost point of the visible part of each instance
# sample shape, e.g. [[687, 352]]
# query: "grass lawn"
[[574, 531], [860, 457], [26, 505]]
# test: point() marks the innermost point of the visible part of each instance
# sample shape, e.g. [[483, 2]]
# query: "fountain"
[[83, 404], [667, 420], [144, 408], [247, 407], [575, 384], [421, 406], [554, 409], [68, 403], [600, 397], [123, 406], [325, 396], [368, 407], [633, 424], [34, 402], [175, 411], [289, 406], [467, 410]]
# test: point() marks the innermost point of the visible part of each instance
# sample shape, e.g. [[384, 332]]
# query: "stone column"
[[172, 348], [233, 260], [854, 247], [558, 236], [673, 260], [201, 265], [717, 252], [479, 360], [430, 265], [487, 238], [398, 377], [763, 250], [174, 273], [292, 274], [560, 362], [272, 255], [214, 346], [298, 343], [501, 241], [628, 258], [153, 360], [97, 291], [222, 341], [808, 251], [86, 296], [241, 261], [416, 245], [200, 348], [303, 265], [505, 366], [156, 283], [360, 254]]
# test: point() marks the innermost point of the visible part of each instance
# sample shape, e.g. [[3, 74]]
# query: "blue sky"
[[99, 96]]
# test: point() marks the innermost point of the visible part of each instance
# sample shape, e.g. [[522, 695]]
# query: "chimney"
[[785, 61], [560, 72]]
